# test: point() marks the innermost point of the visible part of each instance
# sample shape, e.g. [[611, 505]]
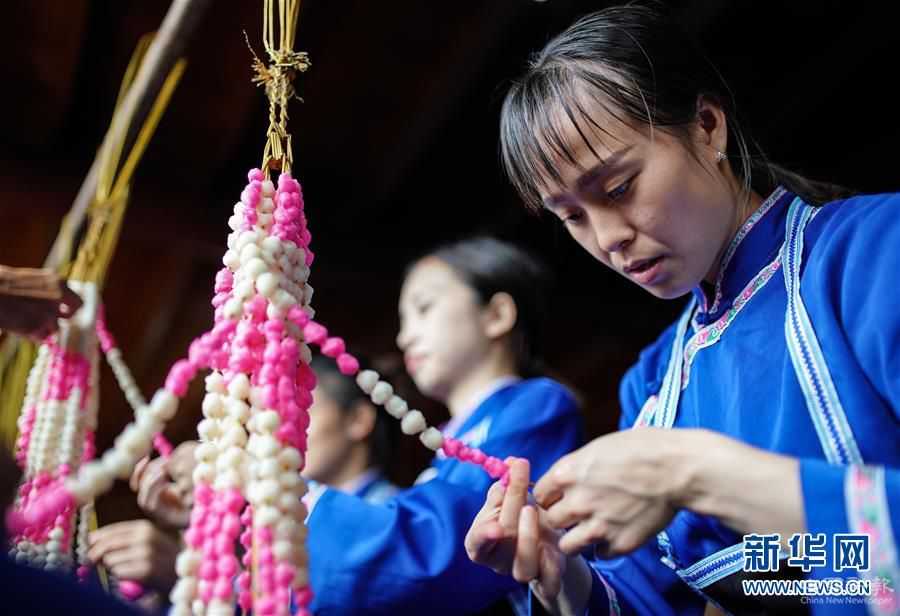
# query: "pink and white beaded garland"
[[247, 480], [56, 435]]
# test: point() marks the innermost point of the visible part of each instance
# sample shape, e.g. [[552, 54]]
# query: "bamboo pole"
[[168, 45]]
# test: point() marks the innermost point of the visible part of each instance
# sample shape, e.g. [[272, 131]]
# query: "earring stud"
[[720, 156]]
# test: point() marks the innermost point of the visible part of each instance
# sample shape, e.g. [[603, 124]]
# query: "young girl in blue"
[[470, 314], [772, 406]]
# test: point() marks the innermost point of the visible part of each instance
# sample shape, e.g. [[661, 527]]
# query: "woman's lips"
[[645, 271], [413, 363]]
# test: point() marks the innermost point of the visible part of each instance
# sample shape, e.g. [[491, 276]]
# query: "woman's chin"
[[669, 292], [430, 387], [669, 287]]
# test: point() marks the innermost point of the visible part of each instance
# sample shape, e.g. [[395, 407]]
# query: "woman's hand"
[[136, 550], [512, 537], [507, 535], [32, 301], [617, 491], [621, 489], [164, 486]]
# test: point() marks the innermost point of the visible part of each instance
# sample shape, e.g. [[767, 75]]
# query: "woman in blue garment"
[[771, 407], [351, 440], [470, 316]]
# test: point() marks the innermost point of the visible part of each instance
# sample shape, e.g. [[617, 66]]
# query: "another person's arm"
[[164, 486], [136, 550], [31, 301]]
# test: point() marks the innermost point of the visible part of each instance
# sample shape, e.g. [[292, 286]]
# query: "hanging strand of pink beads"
[[56, 435], [253, 435]]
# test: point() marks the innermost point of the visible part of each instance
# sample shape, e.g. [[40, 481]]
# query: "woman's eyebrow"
[[603, 167]]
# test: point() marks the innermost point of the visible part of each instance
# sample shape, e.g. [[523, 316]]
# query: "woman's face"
[[441, 328], [647, 208], [327, 437]]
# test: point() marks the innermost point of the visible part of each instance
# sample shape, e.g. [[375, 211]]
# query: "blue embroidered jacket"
[[742, 380]]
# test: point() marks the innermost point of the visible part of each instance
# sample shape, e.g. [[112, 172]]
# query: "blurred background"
[[396, 148]]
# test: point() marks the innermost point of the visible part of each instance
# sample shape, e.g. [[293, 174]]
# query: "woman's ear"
[[500, 315], [712, 125], [360, 421]]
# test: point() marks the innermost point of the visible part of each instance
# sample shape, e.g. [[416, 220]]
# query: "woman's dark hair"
[[490, 266], [639, 66], [346, 394]]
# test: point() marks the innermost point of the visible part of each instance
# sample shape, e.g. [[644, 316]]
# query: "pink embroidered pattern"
[[646, 414], [711, 334], [868, 514]]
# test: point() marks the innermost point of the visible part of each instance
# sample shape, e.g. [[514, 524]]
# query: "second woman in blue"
[[470, 314]]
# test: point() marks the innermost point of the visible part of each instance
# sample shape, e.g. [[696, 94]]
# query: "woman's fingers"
[[567, 511], [525, 565], [181, 463], [172, 497], [494, 497], [552, 485], [485, 530], [516, 494], [481, 543], [550, 576], [99, 549], [129, 554], [111, 538], [134, 570], [135, 550], [134, 482], [70, 301], [153, 481], [582, 535]]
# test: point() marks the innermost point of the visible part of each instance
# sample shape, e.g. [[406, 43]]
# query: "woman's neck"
[[744, 209], [479, 379], [356, 463]]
